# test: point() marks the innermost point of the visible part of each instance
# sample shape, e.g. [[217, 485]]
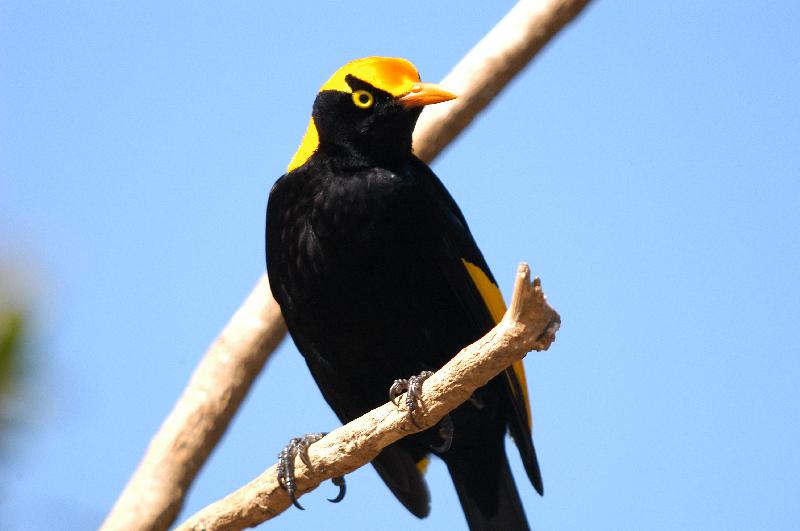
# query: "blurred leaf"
[[12, 325]]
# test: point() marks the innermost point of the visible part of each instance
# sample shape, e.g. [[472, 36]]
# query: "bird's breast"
[[346, 231]]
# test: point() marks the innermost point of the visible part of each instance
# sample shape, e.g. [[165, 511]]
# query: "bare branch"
[[486, 70], [154, 494], [529, 324]]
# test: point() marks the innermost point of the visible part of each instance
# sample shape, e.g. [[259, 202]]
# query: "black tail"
[[488, 494]]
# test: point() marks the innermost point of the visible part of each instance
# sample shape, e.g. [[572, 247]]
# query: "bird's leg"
[[299, 447], [413, 389]]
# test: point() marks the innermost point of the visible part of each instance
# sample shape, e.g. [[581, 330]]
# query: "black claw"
[[339, 482], [296, 447], [295, 502], [398, 388], [446, 430]]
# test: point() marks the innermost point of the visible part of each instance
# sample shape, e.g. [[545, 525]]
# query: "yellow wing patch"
[[422, 464], [491, 295], [391, 74]]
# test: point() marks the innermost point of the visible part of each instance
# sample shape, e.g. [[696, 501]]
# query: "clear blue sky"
[[647, 165]]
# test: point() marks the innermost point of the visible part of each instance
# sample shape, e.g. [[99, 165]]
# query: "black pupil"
[[363, 98]]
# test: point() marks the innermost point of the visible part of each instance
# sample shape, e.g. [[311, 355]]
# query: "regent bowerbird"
[[378, 278]]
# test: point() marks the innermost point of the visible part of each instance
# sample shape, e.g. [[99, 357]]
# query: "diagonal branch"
[[486, 70], [529, 324], [155, 493]]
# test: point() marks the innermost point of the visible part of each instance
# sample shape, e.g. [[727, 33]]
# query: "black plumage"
[[366, 256]]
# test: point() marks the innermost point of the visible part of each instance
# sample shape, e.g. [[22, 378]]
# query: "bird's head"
[[369, 107]]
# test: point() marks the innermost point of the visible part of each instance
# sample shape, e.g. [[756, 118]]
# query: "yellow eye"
[[363, 99]]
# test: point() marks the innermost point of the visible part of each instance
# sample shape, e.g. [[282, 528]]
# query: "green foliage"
[[12, 326]]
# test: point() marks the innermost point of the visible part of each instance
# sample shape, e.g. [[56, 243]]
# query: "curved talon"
[[295, 502], [286, 473], [398, 388], [339, 482], [446, 430], [298, 446], [413, 389]]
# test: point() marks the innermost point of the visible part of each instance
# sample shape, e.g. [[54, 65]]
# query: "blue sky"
[[646, 164]]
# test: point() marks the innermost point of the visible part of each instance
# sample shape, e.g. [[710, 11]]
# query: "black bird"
[[378, 278]]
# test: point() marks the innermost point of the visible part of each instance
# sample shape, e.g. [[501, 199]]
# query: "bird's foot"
[[413, 389], [299, 447]]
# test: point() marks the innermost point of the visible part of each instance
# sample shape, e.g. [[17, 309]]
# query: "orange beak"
[[426, 94]]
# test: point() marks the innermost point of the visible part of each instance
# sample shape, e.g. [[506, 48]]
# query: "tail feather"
[[488, 494], [398, 470]]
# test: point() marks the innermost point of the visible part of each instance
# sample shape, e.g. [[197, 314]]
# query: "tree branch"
[[154, 494], [486, 70], [529, 324]]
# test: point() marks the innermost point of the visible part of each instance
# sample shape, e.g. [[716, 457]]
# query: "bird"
[[378, 276]]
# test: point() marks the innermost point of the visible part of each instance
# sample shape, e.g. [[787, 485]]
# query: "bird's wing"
[[469, 277], [404, 478], [520, 424]]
